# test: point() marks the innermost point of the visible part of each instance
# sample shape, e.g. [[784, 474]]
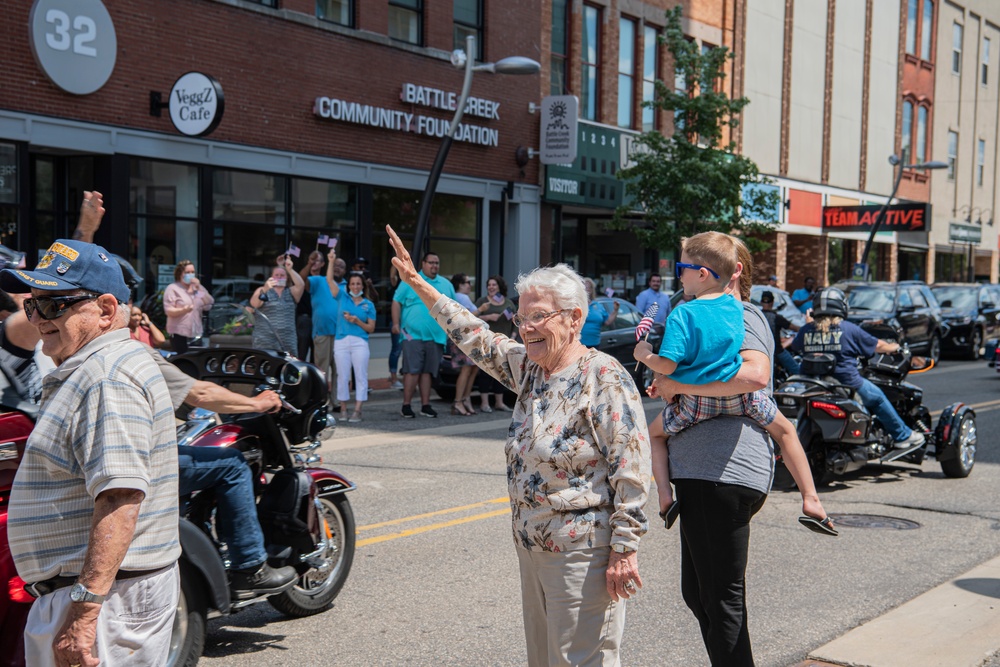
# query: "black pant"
[[179, 343], [715, 539]]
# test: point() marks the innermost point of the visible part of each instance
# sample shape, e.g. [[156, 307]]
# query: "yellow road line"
[[427, 515], [433, 526]]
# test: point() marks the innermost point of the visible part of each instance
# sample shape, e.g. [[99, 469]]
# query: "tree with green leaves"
[[691, 182]]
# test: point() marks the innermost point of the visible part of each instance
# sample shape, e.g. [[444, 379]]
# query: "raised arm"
[[91, 212], [408, 272], [298, 286], [331, 257]]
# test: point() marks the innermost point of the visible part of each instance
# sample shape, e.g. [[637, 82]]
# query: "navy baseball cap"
[[69, 265]]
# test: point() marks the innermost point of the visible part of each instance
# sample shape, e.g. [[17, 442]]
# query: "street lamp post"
[[895, 161], [462, 59]]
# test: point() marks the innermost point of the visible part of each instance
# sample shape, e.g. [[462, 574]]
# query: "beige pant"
[[133, 628], [569, 617], [323, 358]]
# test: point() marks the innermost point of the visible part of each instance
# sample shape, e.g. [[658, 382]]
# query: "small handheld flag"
[[609, 292], [646, 323], [293, 251], [323, 239]]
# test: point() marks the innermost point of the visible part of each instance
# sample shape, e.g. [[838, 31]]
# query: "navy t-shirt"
[[847, 342]]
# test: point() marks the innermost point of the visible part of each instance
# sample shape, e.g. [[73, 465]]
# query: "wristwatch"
[[79, 593], [621, 548]]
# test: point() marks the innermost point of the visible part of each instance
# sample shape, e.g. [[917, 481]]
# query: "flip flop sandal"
[[824, 527], [671, 515]]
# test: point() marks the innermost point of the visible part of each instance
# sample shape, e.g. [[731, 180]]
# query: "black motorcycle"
[[838, 433], [303, 509]]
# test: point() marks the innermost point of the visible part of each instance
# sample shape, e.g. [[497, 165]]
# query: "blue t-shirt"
[[704, 338], [326, 310], [802, 293], [415, 320], [363, 311], [590, 334], [847, 342], [648, 297]]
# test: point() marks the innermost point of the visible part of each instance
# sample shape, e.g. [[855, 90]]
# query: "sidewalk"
[[956, 624]]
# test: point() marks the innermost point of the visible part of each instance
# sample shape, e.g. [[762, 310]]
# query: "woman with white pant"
[[350, 348]]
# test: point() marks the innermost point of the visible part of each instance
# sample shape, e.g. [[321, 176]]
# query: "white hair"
[[123, 316], [561, 282]]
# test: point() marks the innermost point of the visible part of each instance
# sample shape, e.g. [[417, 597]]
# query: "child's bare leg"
[[660, 463]]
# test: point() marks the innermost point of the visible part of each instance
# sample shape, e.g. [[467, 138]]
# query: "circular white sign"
[[74, 43], [196, 104]]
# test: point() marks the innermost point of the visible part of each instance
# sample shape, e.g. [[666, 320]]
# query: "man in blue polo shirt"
[[651, 295], [423, 339]]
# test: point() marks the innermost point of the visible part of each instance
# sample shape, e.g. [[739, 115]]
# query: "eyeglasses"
[[680, 266], [54, 307], [536, 318]]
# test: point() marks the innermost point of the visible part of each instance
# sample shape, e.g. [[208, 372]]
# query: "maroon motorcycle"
[[303, 509]]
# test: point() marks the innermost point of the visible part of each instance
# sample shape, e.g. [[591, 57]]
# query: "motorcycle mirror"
[[921, 364]]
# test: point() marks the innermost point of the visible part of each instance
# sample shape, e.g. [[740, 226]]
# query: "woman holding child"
[[722, 467], [577, 463]]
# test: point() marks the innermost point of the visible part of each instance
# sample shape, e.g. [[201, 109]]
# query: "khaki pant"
[[323, 355], [569, 617], [133, 628]]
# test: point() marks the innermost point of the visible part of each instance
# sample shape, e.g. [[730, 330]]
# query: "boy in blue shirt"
[[701, 344]]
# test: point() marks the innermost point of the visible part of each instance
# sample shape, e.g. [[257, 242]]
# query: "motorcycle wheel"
[[315, 590], [817, 462], [968, 439], [187, 639]]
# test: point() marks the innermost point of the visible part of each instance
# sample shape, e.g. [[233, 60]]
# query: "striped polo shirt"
[[105, 422]]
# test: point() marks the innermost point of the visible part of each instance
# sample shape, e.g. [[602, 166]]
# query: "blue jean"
[[397, 349], [875, 400], [226, 472], [787, 361]]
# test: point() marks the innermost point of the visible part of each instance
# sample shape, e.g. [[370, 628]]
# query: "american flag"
[[293, 250], [323, 239], [646, 323]]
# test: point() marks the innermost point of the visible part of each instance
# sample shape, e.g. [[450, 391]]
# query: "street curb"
[[956, 624]]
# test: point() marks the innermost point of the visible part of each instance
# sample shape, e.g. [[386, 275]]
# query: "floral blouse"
[[578, 456]]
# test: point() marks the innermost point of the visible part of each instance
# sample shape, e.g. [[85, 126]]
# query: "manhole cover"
[[873, 521]]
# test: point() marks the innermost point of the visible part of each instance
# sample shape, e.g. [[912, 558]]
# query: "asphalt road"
[[435, 575]]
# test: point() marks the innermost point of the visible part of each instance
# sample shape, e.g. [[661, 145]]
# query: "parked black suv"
[[617, 340], [972, 312], [909, 304]]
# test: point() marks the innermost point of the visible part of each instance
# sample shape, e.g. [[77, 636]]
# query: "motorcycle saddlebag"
[[286, 512], [817, 364]]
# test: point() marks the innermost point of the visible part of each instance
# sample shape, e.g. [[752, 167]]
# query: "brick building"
[[327, 119]]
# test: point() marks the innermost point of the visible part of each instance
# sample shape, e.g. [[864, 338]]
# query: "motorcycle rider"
[[829, 332], [777, 322]]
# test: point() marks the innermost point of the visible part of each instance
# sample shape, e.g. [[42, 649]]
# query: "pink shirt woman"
[[184, 302]]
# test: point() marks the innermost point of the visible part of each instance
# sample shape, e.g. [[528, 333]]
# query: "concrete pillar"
[[930, 265], [894, 262]]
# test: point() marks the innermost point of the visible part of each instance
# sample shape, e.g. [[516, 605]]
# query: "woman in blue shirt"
[[597, 317], [350, 348]]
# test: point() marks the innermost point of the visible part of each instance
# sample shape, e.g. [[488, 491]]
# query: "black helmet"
[[831, 302]]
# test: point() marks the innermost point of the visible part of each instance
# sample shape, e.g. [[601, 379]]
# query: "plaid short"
[[687, 410]]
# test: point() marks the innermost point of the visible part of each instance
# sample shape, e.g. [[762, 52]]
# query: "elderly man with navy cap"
[[92, 520]]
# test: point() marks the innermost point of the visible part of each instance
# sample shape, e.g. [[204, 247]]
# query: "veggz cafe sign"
[[385, 118], [897, 218], [196, 104]]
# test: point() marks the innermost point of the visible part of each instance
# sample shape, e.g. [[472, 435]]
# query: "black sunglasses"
[[54, 307]]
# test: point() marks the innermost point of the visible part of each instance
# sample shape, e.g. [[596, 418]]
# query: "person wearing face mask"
[[184, 303], [350, 349], [276, 300]]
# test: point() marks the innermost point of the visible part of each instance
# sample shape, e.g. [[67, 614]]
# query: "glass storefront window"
[[247, 251], [163, 225], [8, 174], [248, 197], [323, 205]]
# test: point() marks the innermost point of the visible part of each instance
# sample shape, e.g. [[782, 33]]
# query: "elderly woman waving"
[[578, 466]]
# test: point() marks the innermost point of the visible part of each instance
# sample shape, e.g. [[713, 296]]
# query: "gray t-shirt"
[[731, 450], [179, 383]]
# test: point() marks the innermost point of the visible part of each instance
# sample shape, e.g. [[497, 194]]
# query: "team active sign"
[[897, 218], [359, 113]]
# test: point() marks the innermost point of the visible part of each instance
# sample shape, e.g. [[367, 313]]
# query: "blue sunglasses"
[[680, 266]]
